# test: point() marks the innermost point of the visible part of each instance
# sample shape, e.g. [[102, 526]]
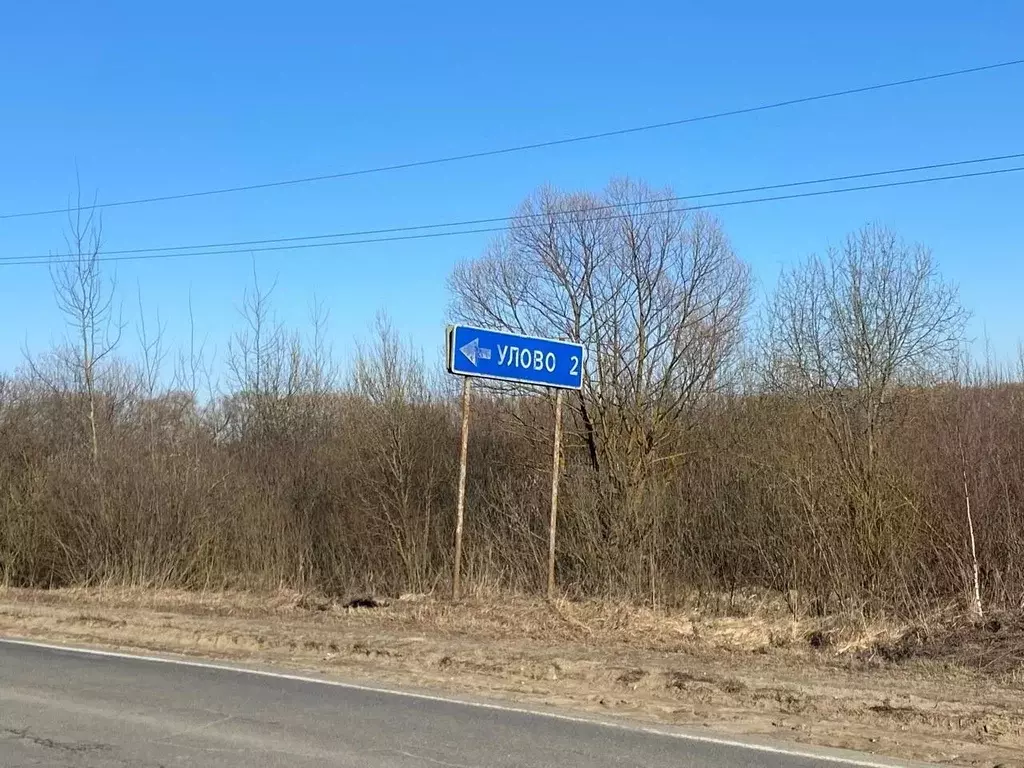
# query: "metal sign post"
[[556, 467], [461, 502], [488, 354]]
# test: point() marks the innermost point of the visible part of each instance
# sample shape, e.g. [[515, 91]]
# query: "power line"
[[432, 235], [539, 144], [497, 219]]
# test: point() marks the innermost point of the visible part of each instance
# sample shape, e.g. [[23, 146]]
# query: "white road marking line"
[[691, 737]]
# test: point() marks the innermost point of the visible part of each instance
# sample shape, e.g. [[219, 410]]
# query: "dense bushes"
[[344, 492]]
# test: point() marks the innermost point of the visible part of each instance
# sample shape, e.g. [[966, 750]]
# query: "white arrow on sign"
[[473, 350]]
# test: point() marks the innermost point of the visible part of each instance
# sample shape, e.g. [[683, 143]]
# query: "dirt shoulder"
[[936, 697]]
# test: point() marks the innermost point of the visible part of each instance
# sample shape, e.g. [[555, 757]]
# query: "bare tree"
[[254, 359], [655, 294], [405, 467], [848, 332], [192, 367], [151, 344], [85, 296], [388, 370], [319, 371], [850, 329], [968, 380]]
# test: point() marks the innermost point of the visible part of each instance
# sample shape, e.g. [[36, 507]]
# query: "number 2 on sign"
[[575, 366]]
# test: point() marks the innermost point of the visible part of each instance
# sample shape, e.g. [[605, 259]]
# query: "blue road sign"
[[513, 357]]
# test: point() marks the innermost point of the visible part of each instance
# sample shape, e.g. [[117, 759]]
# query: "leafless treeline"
[[833, 445]]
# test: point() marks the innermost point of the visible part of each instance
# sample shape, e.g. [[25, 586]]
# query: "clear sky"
[[151, 99]]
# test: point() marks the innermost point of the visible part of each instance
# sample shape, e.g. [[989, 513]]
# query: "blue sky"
[[151, 99]]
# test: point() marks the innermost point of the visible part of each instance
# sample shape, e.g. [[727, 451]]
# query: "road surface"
[[80, 709]]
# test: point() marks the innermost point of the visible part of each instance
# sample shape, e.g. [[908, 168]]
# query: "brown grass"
[[758, 674]]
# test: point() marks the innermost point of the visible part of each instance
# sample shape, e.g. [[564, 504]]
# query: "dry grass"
[[757, 674], [491, 615]]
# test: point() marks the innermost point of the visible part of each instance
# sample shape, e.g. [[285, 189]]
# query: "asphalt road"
[[71, 709]]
